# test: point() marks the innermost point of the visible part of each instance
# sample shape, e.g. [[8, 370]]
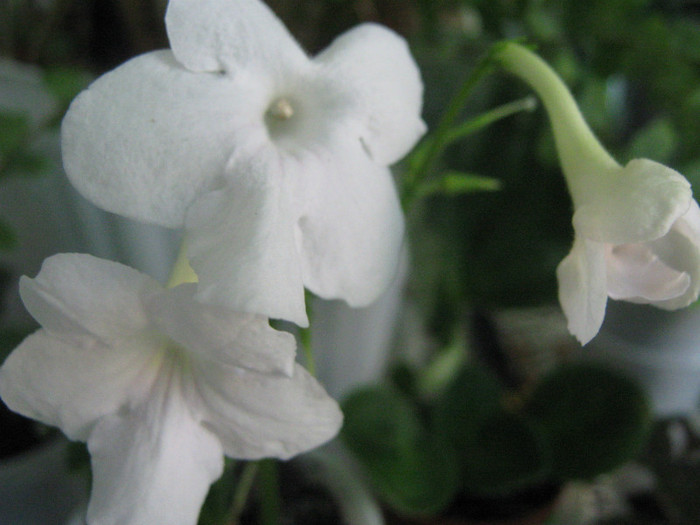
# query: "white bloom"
[[237, 134], [159, 385], [637, 227]]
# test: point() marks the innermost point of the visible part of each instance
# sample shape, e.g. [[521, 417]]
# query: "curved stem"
[[579, 149]]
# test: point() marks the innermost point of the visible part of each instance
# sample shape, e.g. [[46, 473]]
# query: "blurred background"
[[481, 265]]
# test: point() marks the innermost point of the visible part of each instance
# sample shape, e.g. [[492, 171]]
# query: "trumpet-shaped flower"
[[637, 227], [159, 385], [277, 161]]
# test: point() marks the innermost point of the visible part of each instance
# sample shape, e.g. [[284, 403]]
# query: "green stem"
[[422, 188], [240, 497], [305, 336], [437, 142], [579, 149], [485, 119], [270, 501]]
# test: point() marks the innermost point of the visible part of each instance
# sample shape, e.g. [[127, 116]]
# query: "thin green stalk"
[[270, 500], [305, 336], [485, 119], [240, 497], [435, 146]]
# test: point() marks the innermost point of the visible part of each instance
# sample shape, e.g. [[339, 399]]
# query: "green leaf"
[[420, 482], [379, 422], [504, 455], [595, 418], [473, 395], [498, 452], [414, 472]]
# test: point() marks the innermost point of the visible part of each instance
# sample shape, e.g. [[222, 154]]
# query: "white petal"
[[225, 35], [219, 334], [374, 66], [582, 288], [258, 415], [636, 275], [152, 464], [350, 227], [636, 204], [146, 138], [81, 294], [680, 250], [72, 382], [241, 243]]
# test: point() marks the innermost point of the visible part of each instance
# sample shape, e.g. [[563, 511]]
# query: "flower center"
[[281, 109], [284, 121]]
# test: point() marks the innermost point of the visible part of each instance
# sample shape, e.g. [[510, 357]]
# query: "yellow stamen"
[[281, 109]]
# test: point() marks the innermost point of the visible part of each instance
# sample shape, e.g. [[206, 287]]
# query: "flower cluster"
[[276, 165]]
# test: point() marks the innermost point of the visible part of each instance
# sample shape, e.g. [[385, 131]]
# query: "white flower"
[[237, 134], [160, 387], [637, 227]]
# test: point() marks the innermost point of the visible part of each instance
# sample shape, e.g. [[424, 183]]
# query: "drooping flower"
[[637, 227], [159, 385], [277, 164]]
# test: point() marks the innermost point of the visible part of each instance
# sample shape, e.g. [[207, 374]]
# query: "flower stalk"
[[580, 152]]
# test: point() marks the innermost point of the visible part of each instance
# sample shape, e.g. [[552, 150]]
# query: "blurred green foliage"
[[477, 440]]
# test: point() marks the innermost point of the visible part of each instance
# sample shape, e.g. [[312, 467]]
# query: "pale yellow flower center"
[[281, 109]]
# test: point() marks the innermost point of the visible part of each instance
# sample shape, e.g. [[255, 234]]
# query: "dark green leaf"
[[504, 454], [595, 419], [474, 394], [420, 482], [412, 471], [379, 422]]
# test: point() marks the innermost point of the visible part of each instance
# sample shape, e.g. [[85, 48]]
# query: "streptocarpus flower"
[[159, 385], [277, 164], [637, 227]]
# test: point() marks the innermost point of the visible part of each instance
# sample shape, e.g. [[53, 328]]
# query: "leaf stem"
[[436, 144]]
